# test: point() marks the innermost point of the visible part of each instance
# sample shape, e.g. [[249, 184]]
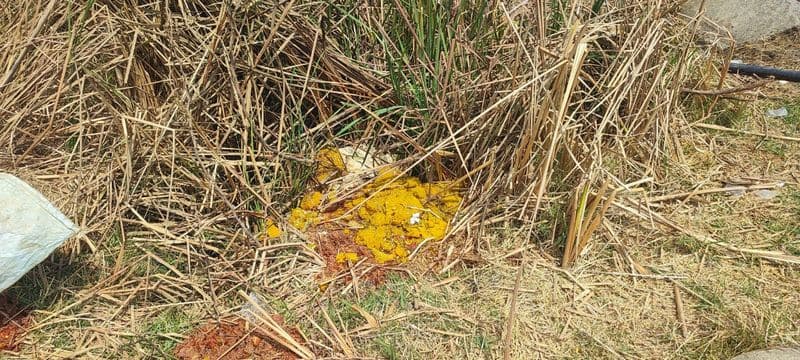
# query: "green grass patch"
[[749, 288], [726, 113], [43, 287], [733, 334], [784, 228], [688, 244], [407, 337], [713, 297], [793, 118], [786, 237], [485, 343], [396, 293], [559, 10], [775, 148], [389, 349], [159, 328], [730, 115]]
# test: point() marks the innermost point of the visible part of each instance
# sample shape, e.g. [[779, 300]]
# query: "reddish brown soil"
[[331, 241], [13, 325], [233, 340]]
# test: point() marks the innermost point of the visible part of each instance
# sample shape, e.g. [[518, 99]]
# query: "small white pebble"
[[415, 218]]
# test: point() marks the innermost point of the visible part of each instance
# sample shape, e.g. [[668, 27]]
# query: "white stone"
[[747, 20], [786, 353]]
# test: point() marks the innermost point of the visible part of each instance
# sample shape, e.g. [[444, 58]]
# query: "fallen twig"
[[732, 90], [679, 310], [512, 312], [745, 132], [713, 191], [645, 276]]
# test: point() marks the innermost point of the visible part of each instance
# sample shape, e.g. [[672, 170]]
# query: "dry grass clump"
[[170, 131]]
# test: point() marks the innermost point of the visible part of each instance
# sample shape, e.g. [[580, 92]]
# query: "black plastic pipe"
[[764, 72]]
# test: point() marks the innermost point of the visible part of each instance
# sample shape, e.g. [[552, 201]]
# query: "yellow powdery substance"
[[344, 257], [272, 230], [391, 215], [301, 219], [399, 215], [330, 165], [311, 201], [306, 215]]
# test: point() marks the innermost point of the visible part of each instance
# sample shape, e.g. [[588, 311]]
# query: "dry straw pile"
[[170, 130]]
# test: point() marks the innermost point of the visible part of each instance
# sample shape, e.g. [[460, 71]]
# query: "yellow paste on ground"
[[344, 257], [307, 214], [390, 216], [272, 230], [330, 165]]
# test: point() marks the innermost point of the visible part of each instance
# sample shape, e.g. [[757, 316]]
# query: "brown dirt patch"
[[14, 323], [330, 241], [779, 50], [233, 339]]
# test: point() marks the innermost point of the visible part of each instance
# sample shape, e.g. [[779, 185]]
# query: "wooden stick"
[[512, 312], [644, 276], [679, 310]]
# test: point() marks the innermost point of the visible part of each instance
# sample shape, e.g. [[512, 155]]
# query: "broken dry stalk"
[[276, 332], [587, 216]]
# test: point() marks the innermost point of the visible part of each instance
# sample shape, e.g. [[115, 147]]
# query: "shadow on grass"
[[56, 280]]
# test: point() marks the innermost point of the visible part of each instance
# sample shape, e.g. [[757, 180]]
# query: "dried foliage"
[[170, 130]]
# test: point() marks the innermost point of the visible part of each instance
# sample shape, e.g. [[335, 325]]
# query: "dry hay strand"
[[586, 216]]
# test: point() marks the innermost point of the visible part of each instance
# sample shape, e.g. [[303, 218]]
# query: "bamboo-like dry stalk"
[[586, 217]]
